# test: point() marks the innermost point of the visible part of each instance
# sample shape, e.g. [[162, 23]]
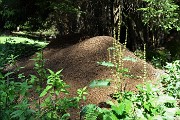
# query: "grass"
[[16, 40], [15, 48]]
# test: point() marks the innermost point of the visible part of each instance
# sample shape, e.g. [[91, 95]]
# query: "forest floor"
[[79, 64]]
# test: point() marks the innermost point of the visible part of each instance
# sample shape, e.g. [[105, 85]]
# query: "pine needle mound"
[[79, 64]]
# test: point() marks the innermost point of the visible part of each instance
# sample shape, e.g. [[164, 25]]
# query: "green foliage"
[[10, 51], [39, 67], [7, 12], [161, 14], [120, 71], [122, 109], [66, 6], [22, 111], [100, 83], [13, 102], [17, 12], [14, 98], [139, 53], [54, 84], [130, 59], [149, 103], [171, 81], [90, 112], [159, 57], [153, 104], [6, 59], [107, 64], [81, 94], [53, 106]]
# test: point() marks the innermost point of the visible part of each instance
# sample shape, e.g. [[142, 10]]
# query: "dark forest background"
[[143, 21]]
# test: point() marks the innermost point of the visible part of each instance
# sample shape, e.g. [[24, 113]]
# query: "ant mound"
[[80, 68]]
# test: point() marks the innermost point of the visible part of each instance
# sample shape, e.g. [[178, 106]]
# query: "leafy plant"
[[161, 14], [23, 111], [120, 72], [39, 66], [55, 84], [171, 80], [148, 103], [12, 96], [159, 57], [54, 107], [90, 112]]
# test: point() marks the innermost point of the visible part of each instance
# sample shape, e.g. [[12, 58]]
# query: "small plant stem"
[[39, 105], [145, 64], [114, 34], [7, 92], [55, 97], [153, 39]]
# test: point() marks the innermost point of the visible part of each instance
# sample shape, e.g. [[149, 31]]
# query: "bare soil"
[[79, 64]]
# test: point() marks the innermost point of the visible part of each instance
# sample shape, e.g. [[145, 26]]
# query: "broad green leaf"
[[99, 83], [110, 103], [123, 70], [57, 92], [33, 79], [165, 99], [107, 64], [146, 105], [84, 89], [111, 48], [84, 97], [1, 76], [58, 72], [45, 91], [170, 113], [86, 108], [47, 88], [108, 115], [119, 109], [65, 116], [130, 59], [129, 105], [51, 72], [113, 117]]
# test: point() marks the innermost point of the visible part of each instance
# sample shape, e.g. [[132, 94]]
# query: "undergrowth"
[[15, 102]]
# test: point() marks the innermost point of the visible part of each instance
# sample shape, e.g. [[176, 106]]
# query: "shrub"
[[15, 101], [171, 81], [149, 103]]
